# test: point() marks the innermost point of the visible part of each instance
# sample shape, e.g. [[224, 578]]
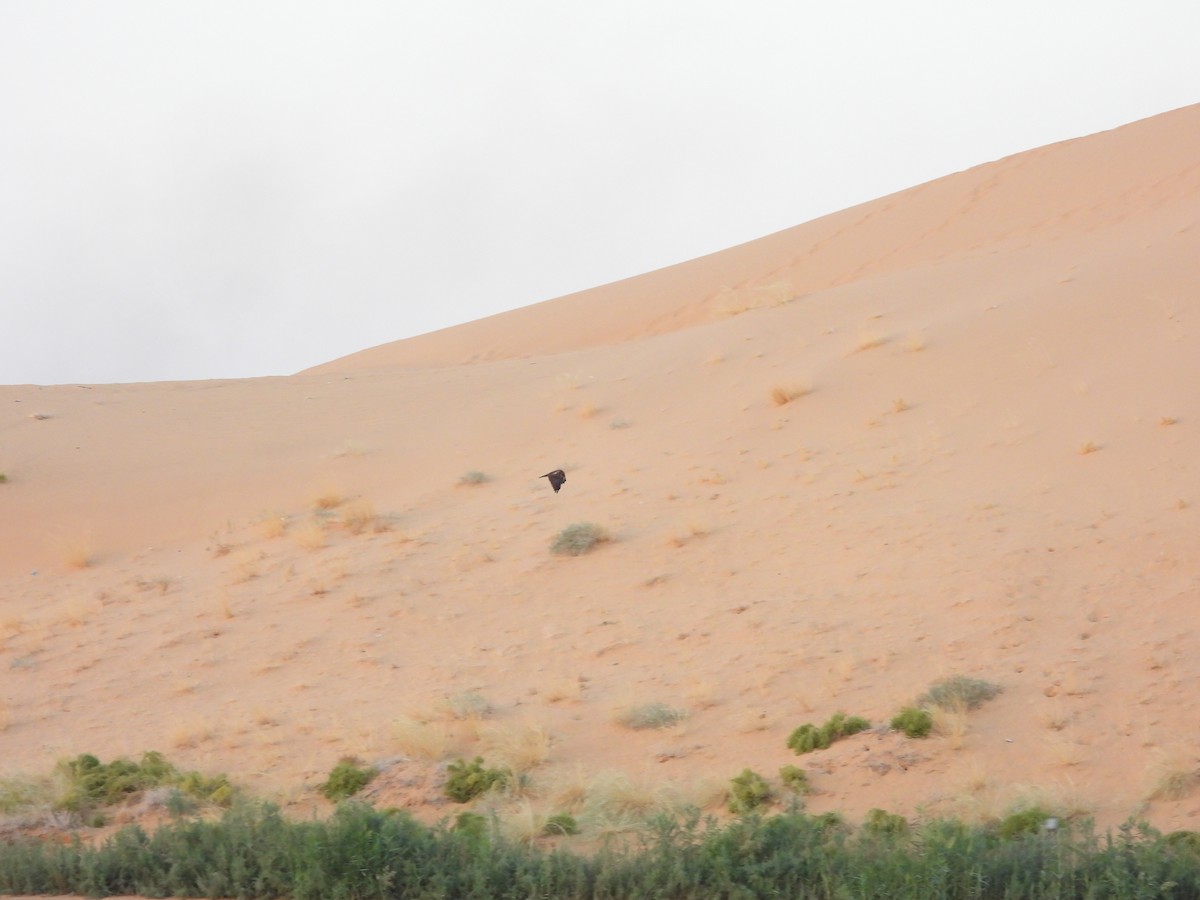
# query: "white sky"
[[227, 189]]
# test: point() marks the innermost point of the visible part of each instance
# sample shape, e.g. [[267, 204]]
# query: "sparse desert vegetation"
[[578, 539], [808, 737], [959, 692], [649, 715]]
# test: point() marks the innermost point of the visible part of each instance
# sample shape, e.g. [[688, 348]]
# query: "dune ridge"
[[952, 431]]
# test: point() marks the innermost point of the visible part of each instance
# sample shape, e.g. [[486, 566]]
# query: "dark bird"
[[557, 479]]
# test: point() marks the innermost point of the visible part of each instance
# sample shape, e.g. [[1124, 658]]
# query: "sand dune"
[[952, 431]]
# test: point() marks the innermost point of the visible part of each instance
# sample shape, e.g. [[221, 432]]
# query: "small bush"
[[346, 779], [959, 692], [1029, 821], [650, 715], [473, 477], [879, 821], [467, 780], [578, 539], [808, 738], [90, 784], [747, 792], [473, 826], [916, 723], [3, 478], [560, 824], [795, 779]]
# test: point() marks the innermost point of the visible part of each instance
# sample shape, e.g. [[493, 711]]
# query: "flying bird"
[[557, 479]]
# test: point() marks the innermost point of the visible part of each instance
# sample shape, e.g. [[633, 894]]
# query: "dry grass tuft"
[[1088, 447], [359, 516], [329, 499], [522, 748], [951, 724], [1173, 777], [273, 526], [422, 740], [783, 394], [310, 537]]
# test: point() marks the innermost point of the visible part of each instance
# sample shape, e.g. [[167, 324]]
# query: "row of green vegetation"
[[253, 851]]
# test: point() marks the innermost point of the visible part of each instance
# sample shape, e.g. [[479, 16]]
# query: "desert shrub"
[[880, 821], [472, 826], [959, 692], [470, 705], [577, 539], [808, 737], [1184, 841], [747, 792], [346, 779], [473, 477], [916, 723], [1028, 821], [3, 478], [467, 780], [560, 824], [89, 784], [649, 715], [795, 779]]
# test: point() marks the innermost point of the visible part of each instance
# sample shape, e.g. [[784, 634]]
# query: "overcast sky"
[[225, 189]]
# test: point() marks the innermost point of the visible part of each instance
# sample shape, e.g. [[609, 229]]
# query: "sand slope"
[[989, 467]]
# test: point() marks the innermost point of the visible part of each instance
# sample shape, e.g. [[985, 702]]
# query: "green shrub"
[[467, 780], [747, 792], [916, 723], [346, 779], [1028, 821], [560, 824], [879, 821], [959, 692], [650, 715], [90, 783], [3, 478], [577, 539], [795, 779], [473, 477], [808, 738], [472, 826]]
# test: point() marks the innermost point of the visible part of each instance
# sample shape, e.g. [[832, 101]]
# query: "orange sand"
[[992, 467]]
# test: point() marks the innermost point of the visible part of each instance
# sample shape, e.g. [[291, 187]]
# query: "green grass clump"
[[650, 715], [1027, 821], [795, 779], [959, 692], [880, 821], [3, 478], [808, 737], [560, 824], [578, 539], [346, 779], [467, 780], [916, 723], [747, 792]]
